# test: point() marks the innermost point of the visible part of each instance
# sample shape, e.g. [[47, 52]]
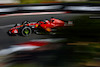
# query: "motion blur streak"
[[36, 13], [50, 40], [41, 7], [94, 17], [8, 9], [83, 8], [6, 26], [31, 45], [15, 49]]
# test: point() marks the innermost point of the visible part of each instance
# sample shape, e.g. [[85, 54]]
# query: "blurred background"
[[11, 2], [81, 49]]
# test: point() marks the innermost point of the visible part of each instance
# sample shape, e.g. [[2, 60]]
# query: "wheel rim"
[[26, 32]]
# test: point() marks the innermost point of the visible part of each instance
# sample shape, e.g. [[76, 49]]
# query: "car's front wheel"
[[26, 31]]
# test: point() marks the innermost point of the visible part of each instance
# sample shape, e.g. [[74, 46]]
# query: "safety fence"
[[51, 7]]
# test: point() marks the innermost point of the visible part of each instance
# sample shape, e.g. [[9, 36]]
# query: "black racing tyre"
[[26, 31]]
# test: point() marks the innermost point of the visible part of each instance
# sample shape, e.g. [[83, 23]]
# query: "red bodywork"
[[46, 25], [53, 23], [17, 27]]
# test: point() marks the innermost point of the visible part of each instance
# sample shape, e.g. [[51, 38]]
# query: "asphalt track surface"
[[6, 40]]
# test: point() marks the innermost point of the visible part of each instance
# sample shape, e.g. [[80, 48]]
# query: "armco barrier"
[[51, 7]]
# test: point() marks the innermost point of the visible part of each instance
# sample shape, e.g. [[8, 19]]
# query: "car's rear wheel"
[[26, 31]]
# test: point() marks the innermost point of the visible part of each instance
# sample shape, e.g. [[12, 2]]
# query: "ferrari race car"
[[50, 26]]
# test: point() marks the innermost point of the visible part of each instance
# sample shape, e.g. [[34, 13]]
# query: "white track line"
[[48, 40], [36, 13]]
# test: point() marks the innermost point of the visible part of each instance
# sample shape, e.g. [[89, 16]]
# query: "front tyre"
[[26, 31]]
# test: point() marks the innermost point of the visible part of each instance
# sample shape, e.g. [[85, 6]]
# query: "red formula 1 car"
[[50, 26]]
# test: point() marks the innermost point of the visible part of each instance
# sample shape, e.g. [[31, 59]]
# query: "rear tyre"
[[26, 31]]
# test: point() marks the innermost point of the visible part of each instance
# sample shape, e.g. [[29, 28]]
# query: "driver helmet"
[[46, 21]]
